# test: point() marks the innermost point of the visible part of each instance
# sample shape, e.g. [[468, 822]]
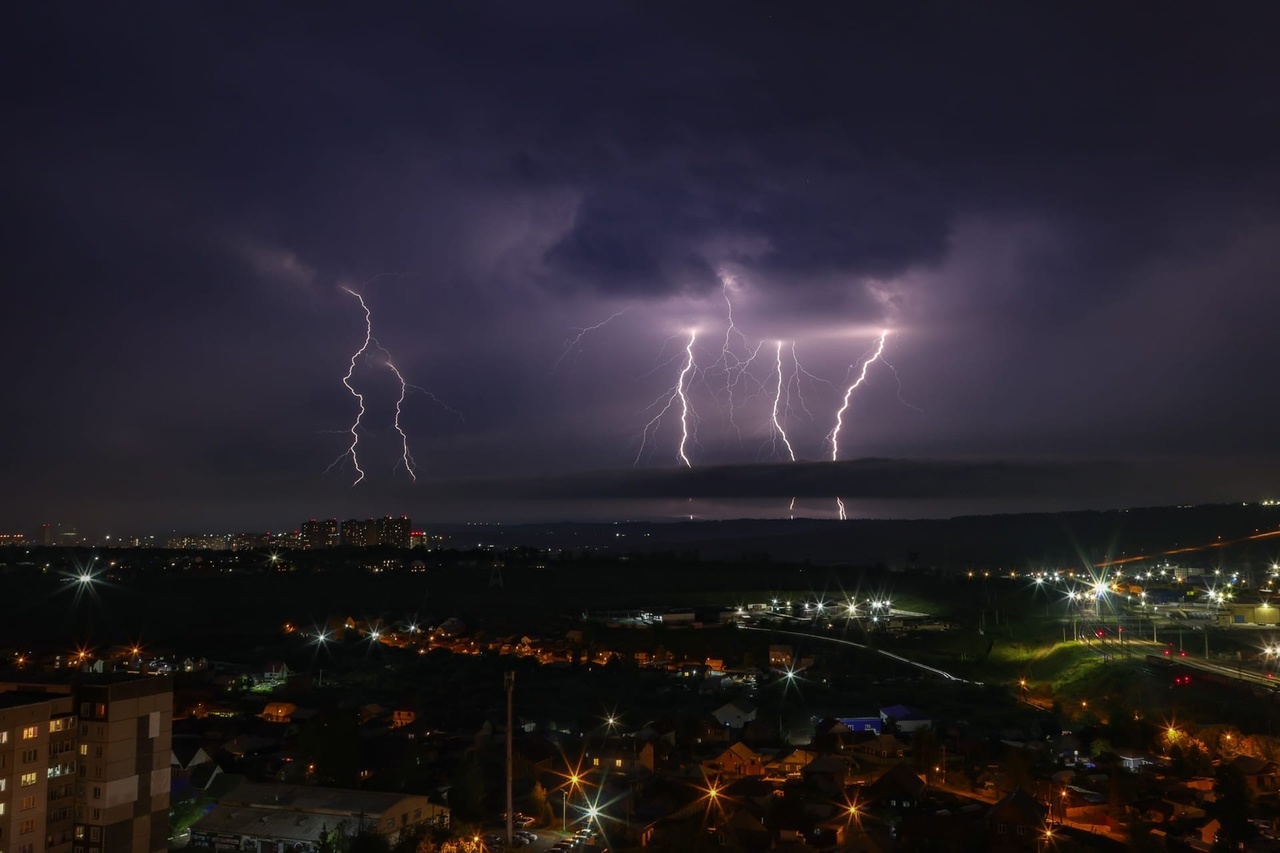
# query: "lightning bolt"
[[680, 392], [777, 400], [405, 456], [834, 437], [575, 343], [346, 380], [840, 509]]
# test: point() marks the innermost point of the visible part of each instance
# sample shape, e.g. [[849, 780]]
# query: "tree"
[[924, 751], [466, 797], [1232, 807], [368, 841], [539, 805]]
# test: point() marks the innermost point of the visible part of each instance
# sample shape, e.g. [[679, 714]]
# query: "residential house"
[[278, 712], [1260, 775], [881, 749], [738, 760], [619, 756], [736, 714], [1016, 822], [900, 788], [790, 763]]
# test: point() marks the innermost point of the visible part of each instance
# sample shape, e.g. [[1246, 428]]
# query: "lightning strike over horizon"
[[346, 380], [840, 509], [834, 437], [777, 401], [678, 392], [406, 457]]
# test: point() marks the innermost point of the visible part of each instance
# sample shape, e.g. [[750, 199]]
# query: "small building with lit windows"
[[293, 818]]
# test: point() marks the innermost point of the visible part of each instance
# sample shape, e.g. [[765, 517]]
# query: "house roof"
[[186, 749], [898, 780], [1250, 766], [902, 713], [742, 751], [1017, 806], [742, 706]]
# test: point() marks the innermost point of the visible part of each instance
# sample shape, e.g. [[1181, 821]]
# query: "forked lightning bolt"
[[346, 380], [840, 509], [680, 391], [406, 458], [834, 438], [777, 401]]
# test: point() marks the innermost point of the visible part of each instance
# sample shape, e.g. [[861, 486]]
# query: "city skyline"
[[598, 263]]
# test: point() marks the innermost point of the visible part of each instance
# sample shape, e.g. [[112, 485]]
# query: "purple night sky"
[[1067, 217]]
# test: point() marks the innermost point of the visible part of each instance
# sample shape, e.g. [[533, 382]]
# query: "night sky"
[[1067, 217]]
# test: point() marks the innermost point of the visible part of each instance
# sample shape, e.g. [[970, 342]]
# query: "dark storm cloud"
[[1066, 214], [950, 481]]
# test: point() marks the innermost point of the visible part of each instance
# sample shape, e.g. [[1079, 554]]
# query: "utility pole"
[[509, 680]]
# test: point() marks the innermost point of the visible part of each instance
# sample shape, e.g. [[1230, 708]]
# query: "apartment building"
[[84, 766]]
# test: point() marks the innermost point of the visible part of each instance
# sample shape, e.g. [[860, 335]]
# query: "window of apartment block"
[[100, 709], [97, 793], [79, 833], [95, 833], [26, 826], [4, 784], [4, 737], [30, 755], [28, 803], [84, 749], [30, 732], [97, 752], [2, 808], [27, 779]]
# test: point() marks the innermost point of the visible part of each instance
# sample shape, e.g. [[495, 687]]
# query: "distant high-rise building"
[[319, 534], [419, 539], [394, 531], [359, 534], [86, 765], [46, 534]]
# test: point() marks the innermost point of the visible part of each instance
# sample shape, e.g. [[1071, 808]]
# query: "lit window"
[[4, 737], [30, 732], [84, 749], [617, 762], [595, 762], [28, 803], [28, 779]]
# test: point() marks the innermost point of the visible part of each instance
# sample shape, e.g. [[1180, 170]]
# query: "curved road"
[[933, 670]]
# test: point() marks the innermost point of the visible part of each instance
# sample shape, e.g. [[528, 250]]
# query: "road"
[[933, 670]]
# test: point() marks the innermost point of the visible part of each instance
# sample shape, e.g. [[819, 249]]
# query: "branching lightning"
[[346, 380], [405, 456], [680, 391], [574, 344], [777, 401], [840, 509], [352, 451], [834, 437]]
